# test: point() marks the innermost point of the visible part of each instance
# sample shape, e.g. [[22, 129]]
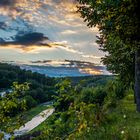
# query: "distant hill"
[[41, 87], [65, 68]]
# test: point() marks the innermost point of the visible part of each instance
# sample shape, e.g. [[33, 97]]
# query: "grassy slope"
[[123, 123]]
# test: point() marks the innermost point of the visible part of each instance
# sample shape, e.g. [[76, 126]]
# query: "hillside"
[[91, 113], [41, 87], [123, 122], [86, 107]]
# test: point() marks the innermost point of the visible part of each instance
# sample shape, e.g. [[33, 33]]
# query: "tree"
[[13, 103], [30, 101], [119, 28]]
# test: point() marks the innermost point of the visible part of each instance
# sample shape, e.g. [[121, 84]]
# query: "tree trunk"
[[137, 79]]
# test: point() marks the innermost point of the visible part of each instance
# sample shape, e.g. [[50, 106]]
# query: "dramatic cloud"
[[26, 8], [22, 8], [2, 40], [28, 39], [31, 38], [3, 25], [7, 2], [34, 42], [81, 66], [69, 37], [67, 63]]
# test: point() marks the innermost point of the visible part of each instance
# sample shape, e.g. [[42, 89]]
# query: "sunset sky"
[[32, 30]]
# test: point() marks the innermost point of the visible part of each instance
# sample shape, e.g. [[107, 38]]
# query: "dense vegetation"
[[118, 22], [11, 105], [91, 112], [41, 88], [85, 108], [96, 108]]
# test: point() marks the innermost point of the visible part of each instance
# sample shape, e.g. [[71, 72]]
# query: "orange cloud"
[[68, 32], [34, 48], [91, 71]]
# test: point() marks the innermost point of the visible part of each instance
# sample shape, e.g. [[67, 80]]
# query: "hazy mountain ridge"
[[65, 68]]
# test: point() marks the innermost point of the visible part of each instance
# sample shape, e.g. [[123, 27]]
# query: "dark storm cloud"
[[7, 2], [2, 40], [3, 25], [33, 38], [30, 38]]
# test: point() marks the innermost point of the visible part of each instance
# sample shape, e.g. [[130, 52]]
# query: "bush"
[[117, 88], [93, 95], [30, 102]]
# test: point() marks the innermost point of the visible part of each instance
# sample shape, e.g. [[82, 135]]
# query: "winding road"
[[34, 122]]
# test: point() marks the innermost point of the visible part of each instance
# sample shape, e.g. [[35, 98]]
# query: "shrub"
[[30, 102], [93, 95]]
